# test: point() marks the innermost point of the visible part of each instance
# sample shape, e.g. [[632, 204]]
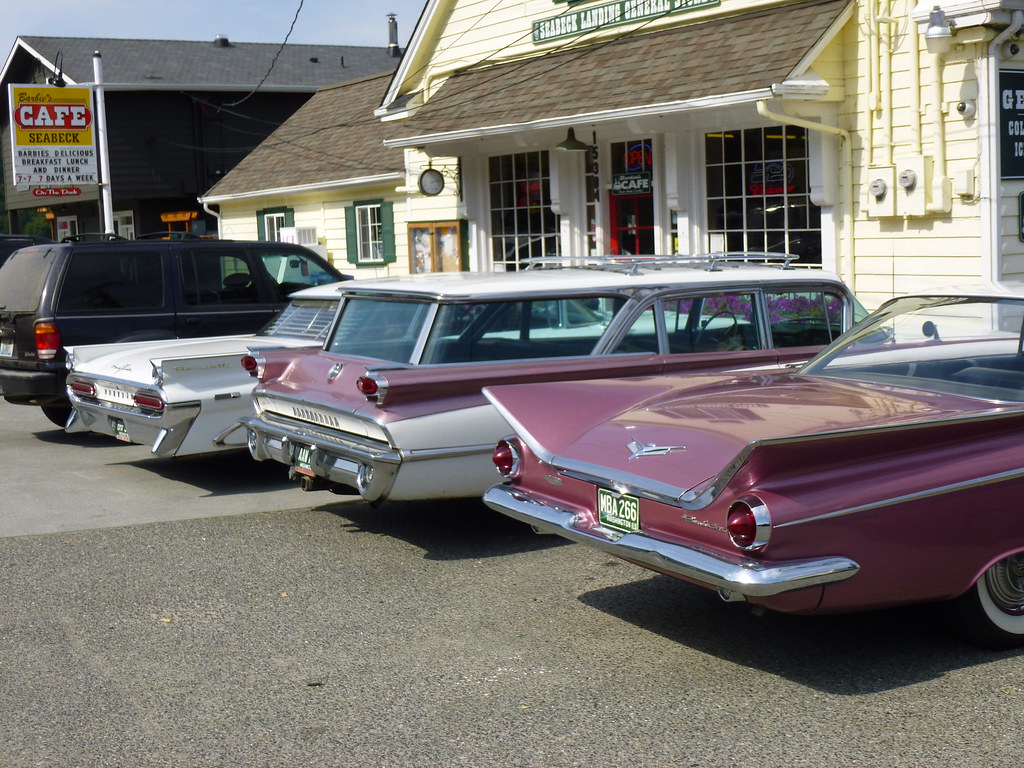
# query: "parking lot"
[[206, 612]]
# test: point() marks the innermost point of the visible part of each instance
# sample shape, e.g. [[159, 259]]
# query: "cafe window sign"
[[631, 172], [576, 22]]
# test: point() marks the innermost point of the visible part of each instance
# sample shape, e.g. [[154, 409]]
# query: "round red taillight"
[[506, 459], [250, 363], [367, 386], [748, 523]]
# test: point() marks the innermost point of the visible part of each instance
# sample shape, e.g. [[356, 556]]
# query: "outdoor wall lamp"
[[939, 35], [571, 143]]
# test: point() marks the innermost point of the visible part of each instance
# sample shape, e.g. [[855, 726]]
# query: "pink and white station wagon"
[[886, 471], [392, 408]]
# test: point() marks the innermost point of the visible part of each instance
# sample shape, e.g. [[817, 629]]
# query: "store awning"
[[717, 62]]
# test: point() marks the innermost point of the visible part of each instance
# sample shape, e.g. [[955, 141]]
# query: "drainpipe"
[[988, 134], [941, 194], [209, 210], [846, 263]]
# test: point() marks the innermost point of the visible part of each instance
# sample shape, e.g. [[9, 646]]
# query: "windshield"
[[959, 345]]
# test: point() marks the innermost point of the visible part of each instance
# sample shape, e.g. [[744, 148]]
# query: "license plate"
[[118, 428], [6, 347], [302, 460], [618, 510]]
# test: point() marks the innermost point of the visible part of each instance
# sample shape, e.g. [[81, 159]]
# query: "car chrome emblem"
[[122, 368], [638, 449], [333, 373]]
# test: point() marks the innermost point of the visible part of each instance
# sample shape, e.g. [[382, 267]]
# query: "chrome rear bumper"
[[731, 577]]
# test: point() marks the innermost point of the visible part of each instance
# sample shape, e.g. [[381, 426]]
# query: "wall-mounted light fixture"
[[571, 143], [57, 78], [939, 35]]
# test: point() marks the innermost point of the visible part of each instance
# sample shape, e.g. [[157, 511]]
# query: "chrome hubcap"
[[1005, 582]]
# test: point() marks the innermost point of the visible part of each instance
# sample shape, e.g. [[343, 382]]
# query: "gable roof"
[[332, 141], [211, 65], [738, 57]]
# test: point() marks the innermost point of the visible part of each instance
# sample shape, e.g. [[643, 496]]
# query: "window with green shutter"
[[370, 232], [269, 222]]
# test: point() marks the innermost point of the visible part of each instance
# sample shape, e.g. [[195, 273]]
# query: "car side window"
[[804, 318], [118, 279], [519, 329], [290, 271], [212, 277], [721, 322]]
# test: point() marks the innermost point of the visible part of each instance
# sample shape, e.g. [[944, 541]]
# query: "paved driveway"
[[206, 614]]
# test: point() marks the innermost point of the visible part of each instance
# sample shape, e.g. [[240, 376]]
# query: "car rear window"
[[111, 280], [23, 276], [304, 319], [381, 329]]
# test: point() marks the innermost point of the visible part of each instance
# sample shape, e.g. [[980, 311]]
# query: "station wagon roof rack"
[[633, 264]]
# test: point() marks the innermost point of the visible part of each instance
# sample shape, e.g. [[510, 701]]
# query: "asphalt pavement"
[[199, 613]]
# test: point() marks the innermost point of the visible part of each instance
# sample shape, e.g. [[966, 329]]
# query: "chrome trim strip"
[[963, 485], [270, 397], [744, 576], [219, 439], [270, 423]]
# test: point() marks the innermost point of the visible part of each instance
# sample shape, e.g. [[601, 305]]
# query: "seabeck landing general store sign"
[[52, 136], [573, 23]]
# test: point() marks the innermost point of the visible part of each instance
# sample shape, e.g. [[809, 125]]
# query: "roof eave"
[[362, 181], [563, 121]]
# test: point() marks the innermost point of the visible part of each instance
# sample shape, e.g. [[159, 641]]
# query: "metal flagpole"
[[106, 196]]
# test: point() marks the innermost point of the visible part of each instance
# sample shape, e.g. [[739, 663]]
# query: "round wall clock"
[[431, 182]]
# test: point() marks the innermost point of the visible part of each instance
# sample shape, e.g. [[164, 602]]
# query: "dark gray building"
[[180, 115]]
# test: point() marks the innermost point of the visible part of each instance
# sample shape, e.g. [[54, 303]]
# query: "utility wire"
[[273, 62]]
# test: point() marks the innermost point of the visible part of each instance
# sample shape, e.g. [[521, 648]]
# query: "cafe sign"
[[53, 141], [573, 23], [637, 183]]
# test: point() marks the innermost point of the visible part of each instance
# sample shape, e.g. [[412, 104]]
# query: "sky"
[[328, 22]]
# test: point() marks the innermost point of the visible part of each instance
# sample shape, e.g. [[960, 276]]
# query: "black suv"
[[63, 294]]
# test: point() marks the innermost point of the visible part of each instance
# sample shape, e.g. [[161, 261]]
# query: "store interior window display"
[[523, 225], [758, 192]]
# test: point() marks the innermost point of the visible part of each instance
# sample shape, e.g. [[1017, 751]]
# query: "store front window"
[[523, 225], [758, 193], [631, 202]]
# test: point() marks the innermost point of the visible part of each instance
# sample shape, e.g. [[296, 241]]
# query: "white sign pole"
[[106, 195]]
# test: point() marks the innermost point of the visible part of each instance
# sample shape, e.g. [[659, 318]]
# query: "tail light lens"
[[83, 388], [373, 386], [47, 341], [506, 459], [749, 524], [149, 402], [253, 365]]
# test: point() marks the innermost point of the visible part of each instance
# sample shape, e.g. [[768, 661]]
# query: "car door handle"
[[192, 320]]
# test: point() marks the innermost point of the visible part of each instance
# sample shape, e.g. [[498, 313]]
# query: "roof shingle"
[[332, 138], [721, 56]]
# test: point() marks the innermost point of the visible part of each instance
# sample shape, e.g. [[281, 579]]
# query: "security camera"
[[1011, 49], [966, 108]]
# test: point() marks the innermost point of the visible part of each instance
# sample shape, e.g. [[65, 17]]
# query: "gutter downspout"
[[991, 230], [846, 261], [215, 214]]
